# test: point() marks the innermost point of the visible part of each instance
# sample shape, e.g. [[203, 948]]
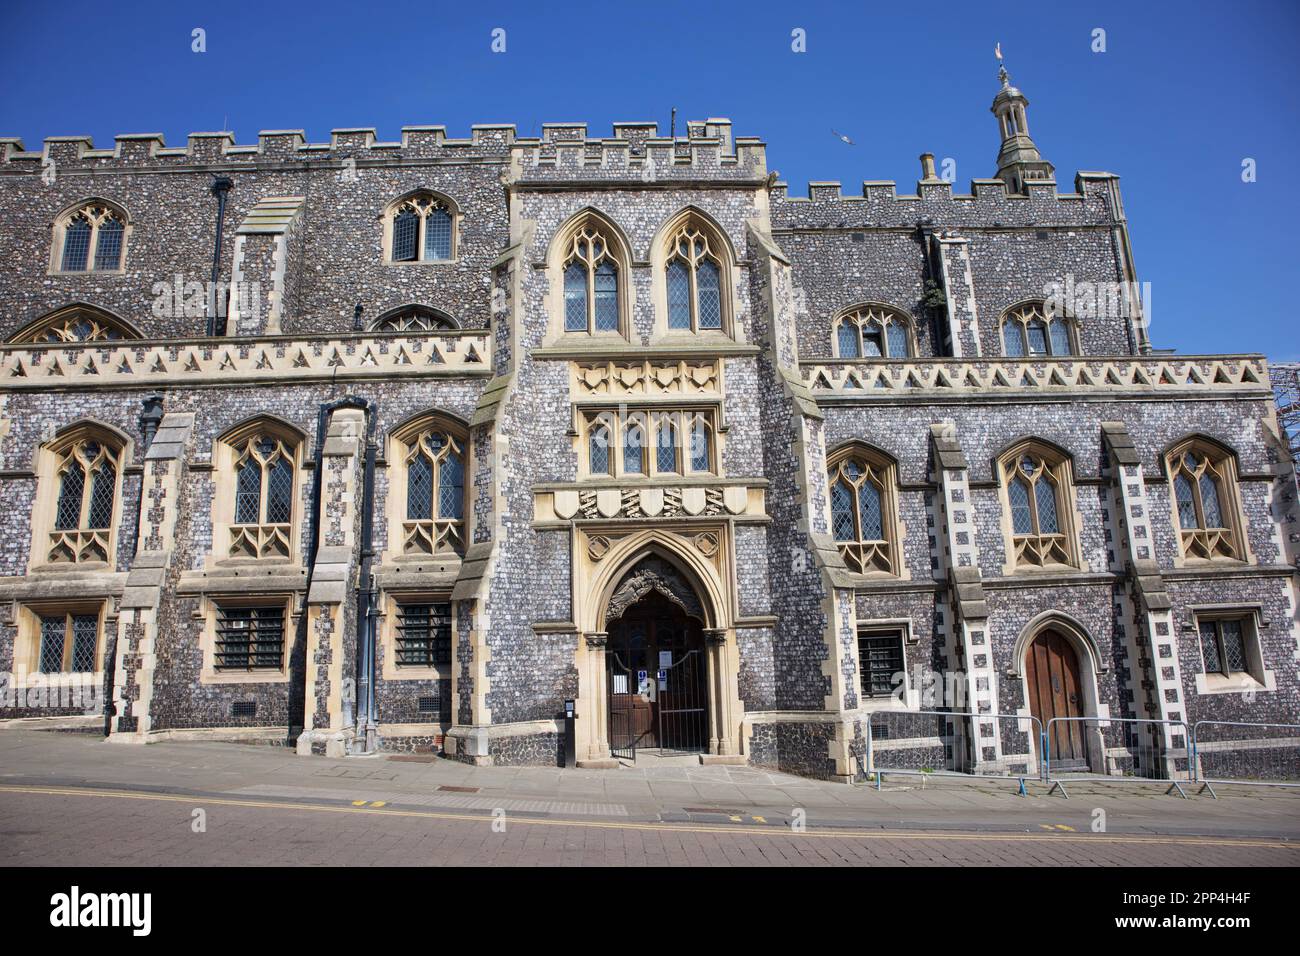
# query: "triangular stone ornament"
[[125, 367], [335, 360], [1165, 377], [1000, 380], [192, 363], [1221, 375], [401, 358], [300, 360], [55, 368], [435, 357], [264, 360], [972, 380], [18, 371], [1028, 381], [821, 381], [941, 380], [1248, 374], [1140, 377], [90, 368], [227, 363], [1057, 378], [912, 381], [1112, 377], [368, 360], [471, 355]]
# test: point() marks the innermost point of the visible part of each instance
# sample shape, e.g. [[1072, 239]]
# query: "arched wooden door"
[[1055, 690]]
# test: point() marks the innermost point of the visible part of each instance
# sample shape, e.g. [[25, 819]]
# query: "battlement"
[[563, 149], [1095, 201]]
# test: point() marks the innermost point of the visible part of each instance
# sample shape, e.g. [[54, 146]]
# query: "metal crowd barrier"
[[1247, 755], [1116, 750], [941, 743]]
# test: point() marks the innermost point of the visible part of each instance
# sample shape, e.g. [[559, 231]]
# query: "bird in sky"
[[842, 137]]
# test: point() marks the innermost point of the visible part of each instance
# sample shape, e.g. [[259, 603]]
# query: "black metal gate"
[[622, 710], [681, 701]]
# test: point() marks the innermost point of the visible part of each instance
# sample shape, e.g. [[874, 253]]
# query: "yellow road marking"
[[1062, 826], [758, 819], [677, 828], [358, 803], [380, 803], [733, 819]]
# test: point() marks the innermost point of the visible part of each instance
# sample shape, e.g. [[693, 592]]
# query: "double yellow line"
[[822, 834]]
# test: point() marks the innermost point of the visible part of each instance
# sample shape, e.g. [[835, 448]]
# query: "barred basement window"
[[1223, 645], [693, 280], [90, 238], [651, 443], [1203, 482], [873, 331], [591, 283], [263, 515], [250, 638], [435, 494], [1035, 480], [880, 661], [862, 510], [423, 635], [87, 474], [421, 228], [1027, 330], [69, 644]]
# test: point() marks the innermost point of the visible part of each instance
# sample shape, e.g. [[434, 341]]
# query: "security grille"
[[250, 638], [423, 635], [243, 708], [880, 657]]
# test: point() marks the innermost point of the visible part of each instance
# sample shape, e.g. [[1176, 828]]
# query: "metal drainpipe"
[[150, 419], [220, 187], [367, 711]]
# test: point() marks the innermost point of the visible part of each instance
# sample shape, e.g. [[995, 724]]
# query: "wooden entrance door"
[[658, 687], [1055, 690]]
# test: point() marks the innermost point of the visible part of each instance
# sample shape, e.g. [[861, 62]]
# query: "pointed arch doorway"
[[657, 676], [1052, 675]]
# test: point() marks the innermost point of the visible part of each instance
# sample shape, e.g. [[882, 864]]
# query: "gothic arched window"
[[413, 318], [1030, 331], [87, 469], [1036, 483], [434, 522], [591, 282], [694, 279], [863, 507], [421, 227], [76, 323], [873, 331], [1203, 482], [90, 237], [264, 488]]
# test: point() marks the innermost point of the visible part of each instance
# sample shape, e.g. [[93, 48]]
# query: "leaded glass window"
[[423, 230], [1223, 645], [598, 442], [861, 490], [69, 644], [649, 442], [94, 239], [666, 446], [873, 331], [591, 278], [699, 451], [413, 318], [437, 234], [1028, 330], [86, 477], [634, 447], [1200, 483], [108, 246], [264, 492], [76, 245], [693, 280], [435, 493], [1035, 489], [76, 323]]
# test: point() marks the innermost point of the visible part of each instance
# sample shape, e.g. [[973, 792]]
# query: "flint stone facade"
[[544, 542]]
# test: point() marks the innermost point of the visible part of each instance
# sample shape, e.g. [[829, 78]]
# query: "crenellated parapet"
[[958, 380], [988, 205], [636, 151]]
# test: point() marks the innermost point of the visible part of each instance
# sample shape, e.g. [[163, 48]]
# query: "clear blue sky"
[[1184, 92]]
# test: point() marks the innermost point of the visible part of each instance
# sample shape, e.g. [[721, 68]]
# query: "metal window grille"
[[880, 657], [423, 635], [250, 638]]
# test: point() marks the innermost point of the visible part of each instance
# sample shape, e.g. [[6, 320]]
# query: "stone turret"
[[1018, 159]]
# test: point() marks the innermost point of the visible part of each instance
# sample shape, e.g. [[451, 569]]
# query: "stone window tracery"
[[693, 280], [1036, 487], [434, 521], [591, 283], [1203, 486], [1029, 331], [863, 509], [264, 491], [90, 238], [873, 331], [87, 474], [413, 318], [422, 228]]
